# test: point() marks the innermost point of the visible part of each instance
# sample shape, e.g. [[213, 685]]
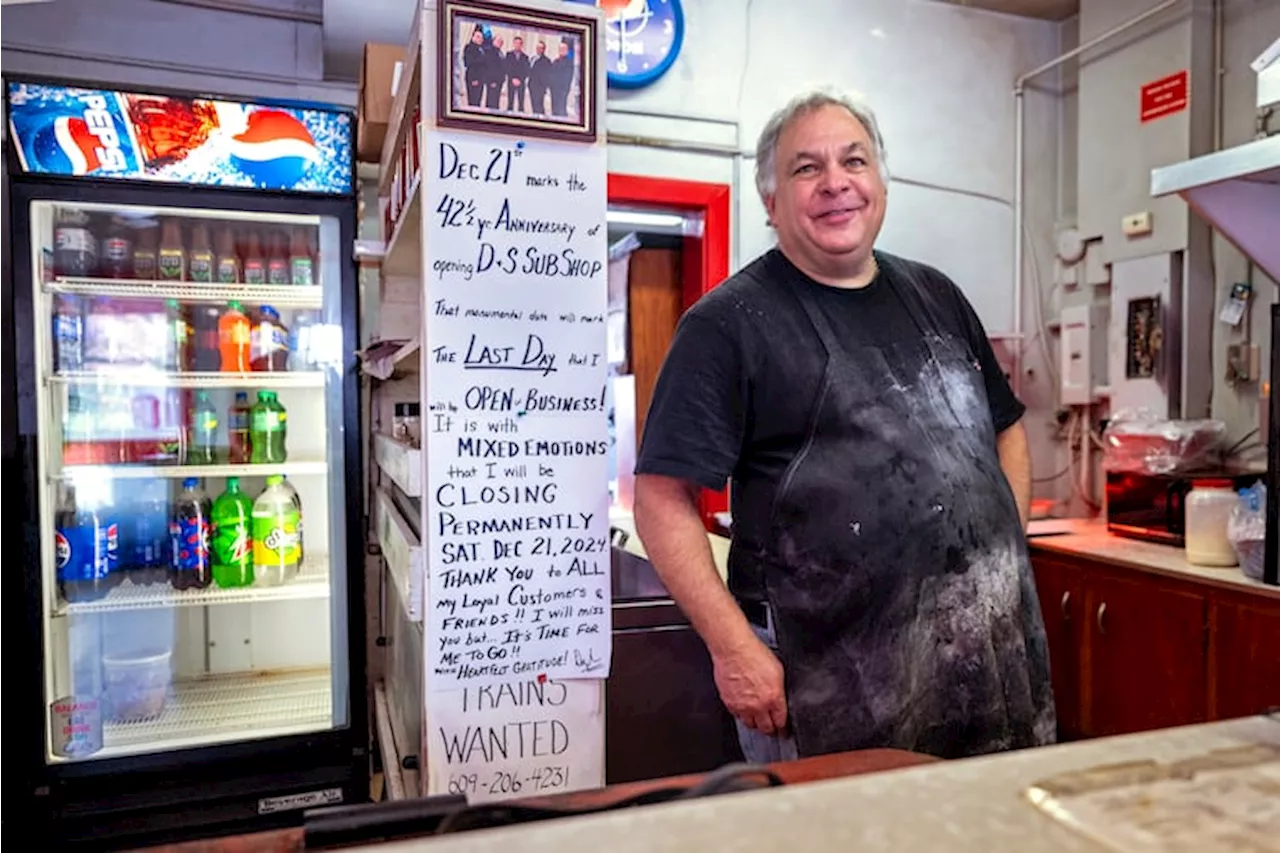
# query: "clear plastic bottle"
[[202, 441], [276, 549], [297, 502], [1209, 506]]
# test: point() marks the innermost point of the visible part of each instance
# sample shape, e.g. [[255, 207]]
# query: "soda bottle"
[[255, 265], [238, 429], [202, 448], [179, 355], [301, 271], [172, 265], [75, 249], [148, 522], [206, 356], [275, 534], [232, 541], [68, 332], [278, 261], [117, 251], [200, 259], [145, 262], [269, 349], [189, 536], [86, 544], [297, 502], [228, 260], [267, 429], [233, 339]]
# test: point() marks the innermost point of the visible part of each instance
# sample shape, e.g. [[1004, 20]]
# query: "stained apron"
[[894, 561]]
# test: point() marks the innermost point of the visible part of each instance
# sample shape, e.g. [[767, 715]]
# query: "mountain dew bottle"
[[232, 544]]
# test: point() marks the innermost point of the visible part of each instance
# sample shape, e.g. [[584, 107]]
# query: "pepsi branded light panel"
[[101, 134]]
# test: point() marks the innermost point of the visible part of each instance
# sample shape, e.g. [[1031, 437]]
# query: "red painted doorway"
[[705, 260]]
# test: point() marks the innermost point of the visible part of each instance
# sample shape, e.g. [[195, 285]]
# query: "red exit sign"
[[1164, 97]]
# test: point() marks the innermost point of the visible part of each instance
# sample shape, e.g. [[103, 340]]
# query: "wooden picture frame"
[[517, 71]]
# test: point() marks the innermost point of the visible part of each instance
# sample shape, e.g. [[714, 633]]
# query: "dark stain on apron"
[[897, 569]]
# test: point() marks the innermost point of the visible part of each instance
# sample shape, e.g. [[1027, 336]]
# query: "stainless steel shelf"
[[293, 296], [218, 709], [311, 582], [162, 379], [144, 472]]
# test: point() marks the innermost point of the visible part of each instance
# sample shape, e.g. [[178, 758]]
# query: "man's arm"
[[1015, 461], [748, 675]]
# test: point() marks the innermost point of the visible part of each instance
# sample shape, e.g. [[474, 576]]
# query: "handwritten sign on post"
[[520, 739], [516, 427]]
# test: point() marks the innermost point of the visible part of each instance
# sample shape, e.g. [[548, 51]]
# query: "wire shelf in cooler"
[[293, 296], [291, 468], [222, 708], [162, 379], [312, 581]]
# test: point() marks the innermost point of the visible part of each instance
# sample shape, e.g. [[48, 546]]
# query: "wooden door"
[[1244, 655], [1144, 655], [655, 302], [1062, 603]]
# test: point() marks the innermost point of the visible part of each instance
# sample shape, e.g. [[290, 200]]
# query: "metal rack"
[[292, 296]]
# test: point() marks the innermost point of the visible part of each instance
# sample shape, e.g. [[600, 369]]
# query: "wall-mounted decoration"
[[513, 70], [642, 39], [66, 131]]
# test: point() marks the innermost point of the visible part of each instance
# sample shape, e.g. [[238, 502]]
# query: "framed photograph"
[[514, 70]]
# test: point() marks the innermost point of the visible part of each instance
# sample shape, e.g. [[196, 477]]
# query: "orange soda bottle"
[[233, 339]]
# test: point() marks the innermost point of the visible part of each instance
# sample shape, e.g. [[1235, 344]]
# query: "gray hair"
[[767, 145]]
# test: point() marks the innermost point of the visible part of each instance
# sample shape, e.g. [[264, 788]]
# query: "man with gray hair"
[[879, 590]]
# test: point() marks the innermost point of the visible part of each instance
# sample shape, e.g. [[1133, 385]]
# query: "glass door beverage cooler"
[[186, 459]]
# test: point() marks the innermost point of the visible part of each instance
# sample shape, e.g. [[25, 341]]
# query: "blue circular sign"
[[642, 39]]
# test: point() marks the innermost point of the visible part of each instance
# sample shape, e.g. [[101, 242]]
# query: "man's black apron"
[[894, 561]]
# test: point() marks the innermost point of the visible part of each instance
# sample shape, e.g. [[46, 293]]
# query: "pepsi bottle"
[[191, 566], [75, 249], [86, 546]]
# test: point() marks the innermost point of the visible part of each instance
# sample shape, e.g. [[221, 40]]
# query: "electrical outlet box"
[[1083, 352], [1136, 224]]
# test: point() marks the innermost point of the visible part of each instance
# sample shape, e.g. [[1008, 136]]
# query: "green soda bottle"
[[232, 545], [266, 429]]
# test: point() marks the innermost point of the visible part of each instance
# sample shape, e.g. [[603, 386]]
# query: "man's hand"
[[751, 687], [748, 675]]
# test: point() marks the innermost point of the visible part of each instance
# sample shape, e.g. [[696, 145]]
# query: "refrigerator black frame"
[[1271, 558], [203, 790]]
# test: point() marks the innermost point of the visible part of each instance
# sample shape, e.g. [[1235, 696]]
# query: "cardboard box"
[[376, 74]]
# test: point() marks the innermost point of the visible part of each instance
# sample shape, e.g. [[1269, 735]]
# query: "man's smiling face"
[[829, 197]]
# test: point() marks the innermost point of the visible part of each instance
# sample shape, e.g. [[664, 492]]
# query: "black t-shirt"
[[703, 425]]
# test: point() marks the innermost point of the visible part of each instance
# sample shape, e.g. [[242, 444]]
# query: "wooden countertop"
[[977, 805], [805, 770], [1088, 538]]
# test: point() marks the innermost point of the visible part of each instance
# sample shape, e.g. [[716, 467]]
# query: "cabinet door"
[[1062, 604], [1244, 656], [1144, 664]]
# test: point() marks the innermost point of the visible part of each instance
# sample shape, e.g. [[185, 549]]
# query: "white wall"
[[940, 79], [258, 48]]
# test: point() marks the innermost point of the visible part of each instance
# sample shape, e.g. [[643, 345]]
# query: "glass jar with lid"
[[1208, 509]]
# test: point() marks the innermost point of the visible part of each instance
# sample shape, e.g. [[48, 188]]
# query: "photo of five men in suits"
[[502, 76]]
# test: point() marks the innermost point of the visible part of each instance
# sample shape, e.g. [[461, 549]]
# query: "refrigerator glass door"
[[191, 477]]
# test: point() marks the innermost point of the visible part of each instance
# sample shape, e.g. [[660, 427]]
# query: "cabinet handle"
[[1066, 606], [1102, 611]]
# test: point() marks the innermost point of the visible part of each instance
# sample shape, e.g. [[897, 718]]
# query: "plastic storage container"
[[137, 686], [1209, 506]]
